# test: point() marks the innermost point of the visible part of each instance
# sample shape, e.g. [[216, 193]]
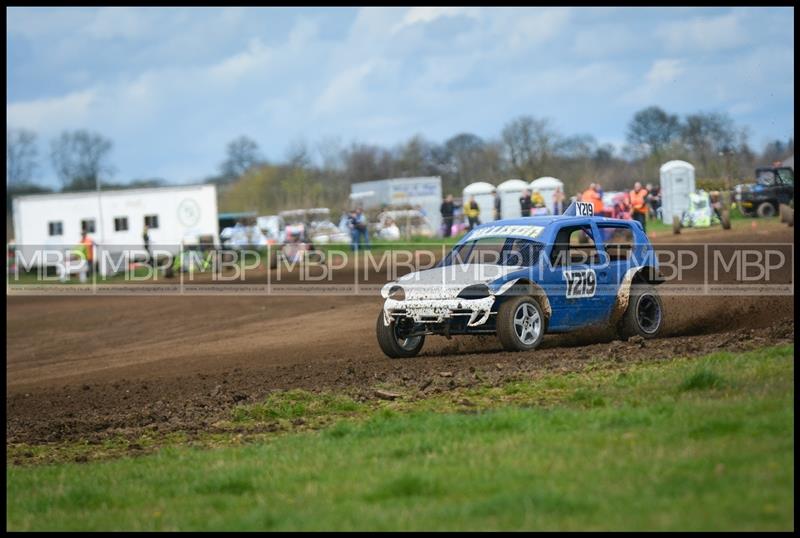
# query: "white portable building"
[[115, 220], [482, 192], [677, 183], [546, 186], [510, 192]]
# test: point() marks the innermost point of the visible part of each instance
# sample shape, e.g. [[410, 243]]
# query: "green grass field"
[[702, 444]]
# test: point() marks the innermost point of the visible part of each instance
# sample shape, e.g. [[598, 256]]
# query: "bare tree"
[[21, 157], [652, 129], [242, 155], [80, 158], [713, 139], [298, 155], [530, 143]]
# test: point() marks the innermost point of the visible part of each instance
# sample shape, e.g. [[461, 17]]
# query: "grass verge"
[[688, 444]]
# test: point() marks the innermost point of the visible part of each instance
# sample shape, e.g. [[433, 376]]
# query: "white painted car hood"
[[447, 282]]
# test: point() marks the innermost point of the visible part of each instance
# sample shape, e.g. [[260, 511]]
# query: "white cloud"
[[343, 90], [255, 57], [707, 33], [424, 15], [664, 71], [52, 114]]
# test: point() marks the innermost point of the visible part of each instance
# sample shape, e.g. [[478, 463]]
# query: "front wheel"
[[766, 210], [645, 313], [520, 324], [394, 343]]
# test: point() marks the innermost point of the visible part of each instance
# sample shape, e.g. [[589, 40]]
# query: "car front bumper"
[[439, 310]]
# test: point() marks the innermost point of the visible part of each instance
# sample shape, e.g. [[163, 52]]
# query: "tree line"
[[320, 174]]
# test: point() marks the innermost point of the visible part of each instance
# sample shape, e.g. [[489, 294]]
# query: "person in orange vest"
[[593, 197], [87, 246], [639, 203]]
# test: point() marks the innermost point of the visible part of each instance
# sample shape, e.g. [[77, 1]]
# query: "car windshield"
[[495, 250]]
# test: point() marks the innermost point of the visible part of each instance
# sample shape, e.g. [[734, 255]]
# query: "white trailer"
[[115, 220], [425, 192]]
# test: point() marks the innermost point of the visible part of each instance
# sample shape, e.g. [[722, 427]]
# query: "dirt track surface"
[[91, 367]]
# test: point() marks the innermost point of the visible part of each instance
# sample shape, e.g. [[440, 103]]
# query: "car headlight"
[[394, 292], [476, 291]]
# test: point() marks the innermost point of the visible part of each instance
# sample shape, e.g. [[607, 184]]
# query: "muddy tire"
[[520, 324], [645, 313], [725, 219], [766, 210], [393, 346], [676, 225], [790, 216]]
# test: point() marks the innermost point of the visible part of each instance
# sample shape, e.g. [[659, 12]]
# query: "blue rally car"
[[522, 278]]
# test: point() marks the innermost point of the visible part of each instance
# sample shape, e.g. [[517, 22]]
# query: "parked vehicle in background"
[[410, 223], [774, 186], [273, 227]]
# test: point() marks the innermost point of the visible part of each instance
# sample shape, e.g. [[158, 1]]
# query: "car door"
[[572, 282], [618, 253], [785, 188]]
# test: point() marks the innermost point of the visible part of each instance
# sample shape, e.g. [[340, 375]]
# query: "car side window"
[[574, 245], [618, 241], [786, 176]]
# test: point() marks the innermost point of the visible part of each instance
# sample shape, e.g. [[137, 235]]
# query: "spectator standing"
[[558, 201], [146, 241], [472, 211], [358, 225], [592, 196], [447, 210], [638, 197], [87, 248], [653, 200], [525, 203], [498, 214]]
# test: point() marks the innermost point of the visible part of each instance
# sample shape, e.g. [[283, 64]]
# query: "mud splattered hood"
[[448, 281]]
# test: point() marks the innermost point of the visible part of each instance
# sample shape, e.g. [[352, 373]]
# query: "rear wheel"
[[520, 324], [766, 210], [645, 313], [394, 343]]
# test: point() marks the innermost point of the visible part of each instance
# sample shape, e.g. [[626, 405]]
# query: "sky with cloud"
[[172, 86]]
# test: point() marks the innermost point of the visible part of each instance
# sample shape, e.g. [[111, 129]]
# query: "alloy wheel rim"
[[648, 313], [527, 323]]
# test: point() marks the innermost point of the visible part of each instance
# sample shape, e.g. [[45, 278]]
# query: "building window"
[[120, 224], [151, 221], [55, 228], [87, 226]]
